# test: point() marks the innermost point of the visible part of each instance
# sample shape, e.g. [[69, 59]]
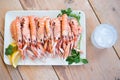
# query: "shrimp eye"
[[58, 38], [41, 40], [65, 36], [53, 23], [71, 37], [19, 40], [34, 40], [29, 39], [72, 22]]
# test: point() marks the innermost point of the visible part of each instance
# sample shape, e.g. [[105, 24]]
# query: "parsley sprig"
[[70, 14], [75, 58], [10, 49]]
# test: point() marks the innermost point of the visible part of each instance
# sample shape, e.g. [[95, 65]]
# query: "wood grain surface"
[[103, 64], [109, 14]]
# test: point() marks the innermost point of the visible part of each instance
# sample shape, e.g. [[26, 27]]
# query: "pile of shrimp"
[[39, 37]]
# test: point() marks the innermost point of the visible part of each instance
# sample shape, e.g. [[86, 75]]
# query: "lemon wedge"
[[13, 44], [15, 57], [13, 54]]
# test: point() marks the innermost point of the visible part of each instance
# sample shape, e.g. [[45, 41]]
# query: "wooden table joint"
[[94, 11]]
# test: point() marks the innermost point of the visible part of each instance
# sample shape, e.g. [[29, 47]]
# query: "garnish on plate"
[[13, 54], [75, 57], [10, 49], [70, 13]]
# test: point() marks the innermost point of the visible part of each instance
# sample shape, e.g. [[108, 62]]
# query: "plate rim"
[[17, 11]]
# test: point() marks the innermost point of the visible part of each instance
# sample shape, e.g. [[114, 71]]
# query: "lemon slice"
[[13, 44], [15, 58]]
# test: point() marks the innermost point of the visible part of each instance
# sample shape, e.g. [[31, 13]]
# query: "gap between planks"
[[56, 73], [20, 74], [1, 36], [22, 5], [94, 12], [5, 66], [100, 23], [2, 58], [116, 52]]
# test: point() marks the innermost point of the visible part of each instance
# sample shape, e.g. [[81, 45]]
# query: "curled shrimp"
[[41, 35], [17, 34], [49, 36], [76, 29], [56, 27], [33, 31]]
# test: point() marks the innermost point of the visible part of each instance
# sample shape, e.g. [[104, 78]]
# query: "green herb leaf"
[[77, 60], [10, 50], [75, 57], [68, 11], [85, 61], [70, 62], [75, 16], [70, 14], [70, 59], [73, 52]]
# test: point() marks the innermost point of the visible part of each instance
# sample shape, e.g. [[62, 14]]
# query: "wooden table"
[[103, 64]]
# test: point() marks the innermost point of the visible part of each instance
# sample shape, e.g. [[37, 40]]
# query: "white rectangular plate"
[[11, 15]]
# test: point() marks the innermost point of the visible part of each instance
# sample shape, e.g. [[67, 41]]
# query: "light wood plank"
[[14, 73], [109, 12], [37, 73], [42, 4], [1, 44], [4, 74], [6, 5]]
